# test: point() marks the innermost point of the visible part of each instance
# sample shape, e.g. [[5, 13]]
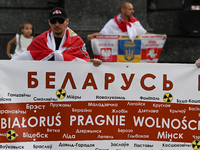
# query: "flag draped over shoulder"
[[72, 48], [117, 26], [122, 24]]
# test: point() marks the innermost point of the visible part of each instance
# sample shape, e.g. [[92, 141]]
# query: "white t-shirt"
[[24, 44]]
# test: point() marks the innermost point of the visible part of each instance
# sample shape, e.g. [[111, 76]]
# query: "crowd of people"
[[60, 43]]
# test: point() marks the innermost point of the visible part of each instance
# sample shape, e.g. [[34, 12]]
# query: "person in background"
[[22, 39], [123, 23], [60, 43]]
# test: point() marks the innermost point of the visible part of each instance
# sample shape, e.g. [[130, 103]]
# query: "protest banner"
[[72, 105], [119, 48]]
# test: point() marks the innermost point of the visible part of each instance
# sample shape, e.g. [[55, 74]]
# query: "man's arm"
[[198, 63], [91, 36], [164, 38]]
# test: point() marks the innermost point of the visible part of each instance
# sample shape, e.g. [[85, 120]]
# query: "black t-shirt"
[[57, 42]]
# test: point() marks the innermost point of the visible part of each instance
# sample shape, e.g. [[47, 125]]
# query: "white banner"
[[72, 105]]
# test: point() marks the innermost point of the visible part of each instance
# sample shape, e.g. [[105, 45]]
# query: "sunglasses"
[[54, 20]]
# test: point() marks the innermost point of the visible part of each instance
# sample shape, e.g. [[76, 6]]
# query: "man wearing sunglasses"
[[60, 43]]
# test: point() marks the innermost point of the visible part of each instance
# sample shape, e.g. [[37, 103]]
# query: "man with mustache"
[[60, 43]]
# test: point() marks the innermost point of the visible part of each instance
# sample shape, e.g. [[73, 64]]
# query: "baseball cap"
[[57, 13]]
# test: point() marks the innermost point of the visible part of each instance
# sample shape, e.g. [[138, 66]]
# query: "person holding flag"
[[123, 24]]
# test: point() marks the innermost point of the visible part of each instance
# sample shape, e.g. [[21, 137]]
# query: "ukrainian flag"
[[129, 51]]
